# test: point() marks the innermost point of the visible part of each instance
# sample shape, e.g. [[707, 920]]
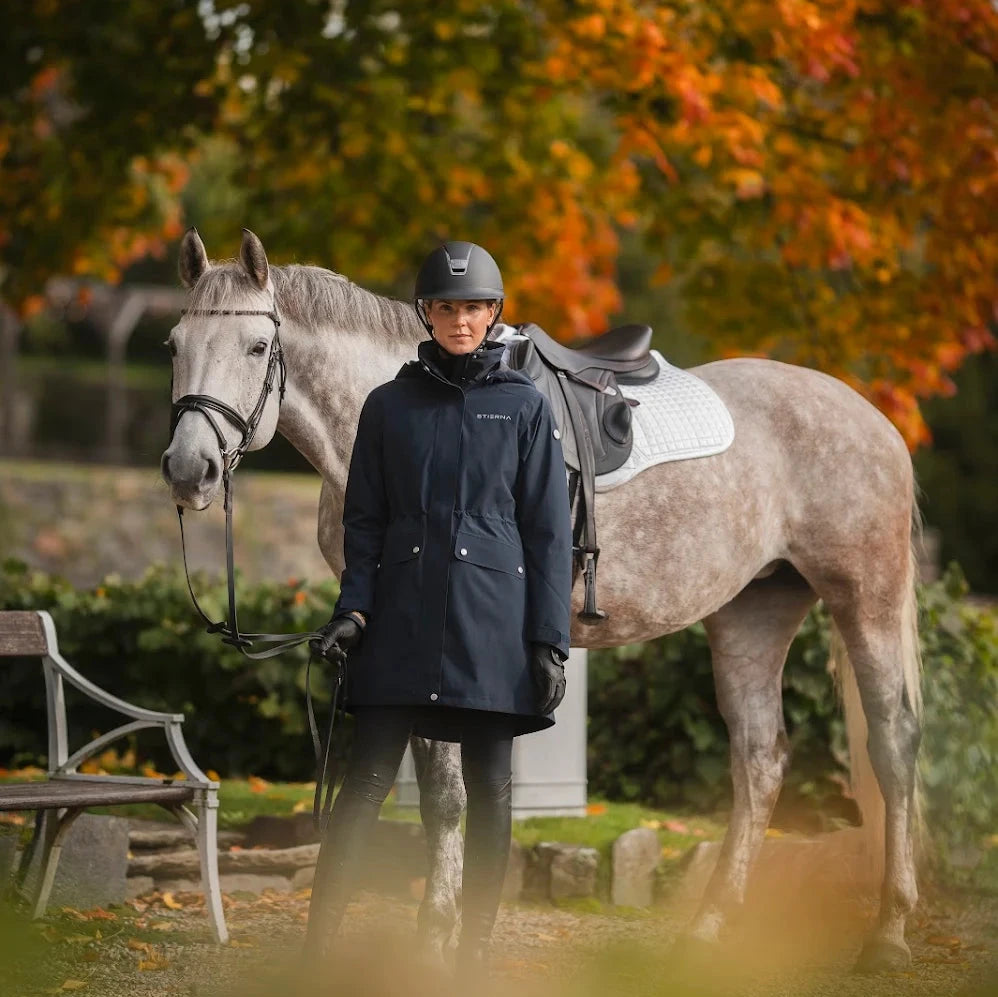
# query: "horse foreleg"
[[441, 802], [749, 639]]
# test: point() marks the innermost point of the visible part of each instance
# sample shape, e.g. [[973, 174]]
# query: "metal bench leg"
[[204, 827], [55, 832]]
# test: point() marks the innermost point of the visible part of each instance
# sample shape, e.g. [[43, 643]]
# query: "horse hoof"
[[879, 956]]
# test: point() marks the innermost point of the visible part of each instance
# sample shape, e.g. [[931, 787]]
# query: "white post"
[[549, 767]]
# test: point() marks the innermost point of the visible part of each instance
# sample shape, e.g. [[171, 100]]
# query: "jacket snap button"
[[464, 550], [433, 696], [519, 568], [415, 550], [557, 434]]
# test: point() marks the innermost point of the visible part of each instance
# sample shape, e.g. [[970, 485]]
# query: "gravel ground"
[[779, 948]]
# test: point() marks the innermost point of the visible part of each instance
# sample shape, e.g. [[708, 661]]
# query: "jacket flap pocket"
[[401, 545], [489, 553]]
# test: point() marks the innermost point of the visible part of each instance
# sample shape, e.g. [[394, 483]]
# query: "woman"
[[454, 602]]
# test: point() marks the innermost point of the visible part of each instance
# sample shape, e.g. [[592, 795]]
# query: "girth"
[[593, 418]]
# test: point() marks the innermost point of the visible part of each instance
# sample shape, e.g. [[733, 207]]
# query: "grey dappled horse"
[[814, 499]]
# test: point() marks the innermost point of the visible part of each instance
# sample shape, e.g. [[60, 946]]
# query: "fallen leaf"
[[71, 985], [99, 914], [596, 809], [138, 946], [156, 962], [162, 926], [237, 944], [946, 941], [301, 807], [258, 785], [671, 853], [168, 901], [676, 826], [653, 824], [77, 939], [213, 775], [774, 832]]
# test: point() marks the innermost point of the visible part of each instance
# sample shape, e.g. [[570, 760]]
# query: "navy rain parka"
[[457, 540]]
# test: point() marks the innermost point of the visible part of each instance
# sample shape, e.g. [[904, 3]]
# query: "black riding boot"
[[344, 845], [486, 854], [380, 737]]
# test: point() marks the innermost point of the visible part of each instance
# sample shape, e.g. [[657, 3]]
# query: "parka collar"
[[466, 369]]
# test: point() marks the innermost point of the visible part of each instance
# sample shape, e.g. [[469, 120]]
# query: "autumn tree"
[[816, 180]]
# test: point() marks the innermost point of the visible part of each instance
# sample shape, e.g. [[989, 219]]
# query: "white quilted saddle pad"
[[679, 417]]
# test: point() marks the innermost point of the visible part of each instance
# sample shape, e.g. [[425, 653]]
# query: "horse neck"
[[330, 373]]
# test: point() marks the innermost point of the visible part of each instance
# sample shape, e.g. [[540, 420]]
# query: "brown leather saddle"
[[593, 418]]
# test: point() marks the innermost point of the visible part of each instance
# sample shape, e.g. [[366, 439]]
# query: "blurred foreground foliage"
[[655, 734]]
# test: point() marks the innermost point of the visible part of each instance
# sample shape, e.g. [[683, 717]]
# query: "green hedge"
[[143, 641], [655, 734]]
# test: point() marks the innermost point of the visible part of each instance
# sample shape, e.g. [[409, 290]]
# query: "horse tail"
[[863, 781]]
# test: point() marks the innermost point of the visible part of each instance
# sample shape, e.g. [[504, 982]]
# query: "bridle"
[[229, 629]]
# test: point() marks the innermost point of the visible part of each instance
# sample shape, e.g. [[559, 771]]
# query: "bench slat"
[[51, 793], [21, 632]]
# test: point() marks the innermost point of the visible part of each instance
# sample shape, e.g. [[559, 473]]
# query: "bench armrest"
[[61, 762]]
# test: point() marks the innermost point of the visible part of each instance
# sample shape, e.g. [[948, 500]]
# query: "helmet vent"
[[458, 268]]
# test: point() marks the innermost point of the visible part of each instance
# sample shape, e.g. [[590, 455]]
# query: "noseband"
[[205, 403]]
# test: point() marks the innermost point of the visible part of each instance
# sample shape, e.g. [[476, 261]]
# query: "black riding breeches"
[[380, 738]]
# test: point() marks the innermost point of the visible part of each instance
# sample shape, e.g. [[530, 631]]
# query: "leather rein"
[[229, 628]]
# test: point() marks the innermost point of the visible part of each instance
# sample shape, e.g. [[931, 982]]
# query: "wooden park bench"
[[66, 792]]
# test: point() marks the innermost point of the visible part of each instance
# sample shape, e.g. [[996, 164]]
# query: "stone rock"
[[556, 871], [281, 832], [573, 873], [172, 839], [8, 852], [93, 866], [249, 882], [135, 886], [186, 864], [303, 878], [178, 885], [512, 885], [835, 861], [635, 858]]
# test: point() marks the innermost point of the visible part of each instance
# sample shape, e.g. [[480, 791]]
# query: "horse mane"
[[311, 296]]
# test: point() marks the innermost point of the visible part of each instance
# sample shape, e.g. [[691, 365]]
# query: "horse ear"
[[254, 259], [193, 258]]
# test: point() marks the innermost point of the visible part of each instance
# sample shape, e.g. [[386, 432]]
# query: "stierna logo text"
[[495, 415]]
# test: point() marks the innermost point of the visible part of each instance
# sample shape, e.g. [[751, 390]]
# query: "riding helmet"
[[459, 271]]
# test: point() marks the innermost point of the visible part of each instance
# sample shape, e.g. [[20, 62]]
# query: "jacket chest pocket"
[[489, 553]]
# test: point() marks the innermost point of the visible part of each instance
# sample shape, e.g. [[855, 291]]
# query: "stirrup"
[[589, 612]]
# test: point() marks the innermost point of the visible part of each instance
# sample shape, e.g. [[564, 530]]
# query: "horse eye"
[[259, 349]]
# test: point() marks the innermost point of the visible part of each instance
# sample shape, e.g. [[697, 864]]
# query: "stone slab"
[[635, 857], [93, 867]]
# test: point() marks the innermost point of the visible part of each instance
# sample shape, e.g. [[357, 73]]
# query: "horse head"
[[228, 369]]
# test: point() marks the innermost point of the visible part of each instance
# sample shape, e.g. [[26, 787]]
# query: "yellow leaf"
[[213, 775], [300, 807], [653, 824], [138, 946], [72, 985], [169, 901], [155, 963], [773, 832]]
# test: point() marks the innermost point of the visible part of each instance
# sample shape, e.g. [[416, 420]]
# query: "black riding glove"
[[341, 633], [548, 674]]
